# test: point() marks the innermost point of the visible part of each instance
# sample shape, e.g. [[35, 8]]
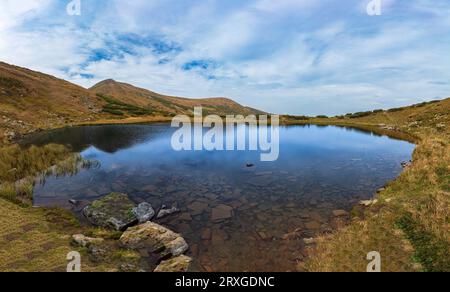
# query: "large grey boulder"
[[113, 211], [144, 212]]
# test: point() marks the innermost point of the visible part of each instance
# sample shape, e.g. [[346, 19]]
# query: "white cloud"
[[293, 56]]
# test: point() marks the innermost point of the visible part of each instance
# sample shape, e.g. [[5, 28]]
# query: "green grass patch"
[[118, 108], [433, 254]]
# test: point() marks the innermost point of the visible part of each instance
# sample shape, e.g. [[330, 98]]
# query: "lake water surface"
[[273, 205]]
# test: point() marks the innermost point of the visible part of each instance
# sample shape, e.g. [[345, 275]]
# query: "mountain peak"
[[105, 82]]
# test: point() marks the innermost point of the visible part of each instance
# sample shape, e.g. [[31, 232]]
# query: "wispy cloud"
[[288, 56]]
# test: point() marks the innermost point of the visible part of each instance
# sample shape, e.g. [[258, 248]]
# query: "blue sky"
[[286, 56]]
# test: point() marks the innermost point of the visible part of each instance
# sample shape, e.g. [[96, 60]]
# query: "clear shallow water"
[[320, 169]]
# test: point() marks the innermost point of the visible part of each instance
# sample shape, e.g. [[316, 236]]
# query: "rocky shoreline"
[[157, 248]]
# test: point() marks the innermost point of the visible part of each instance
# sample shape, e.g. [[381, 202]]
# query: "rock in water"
[[179, 264], [113, 211], [221, 212], [309, 241], [154, 237], [340, 213], [164, 212], [74, 202], [144, 212]]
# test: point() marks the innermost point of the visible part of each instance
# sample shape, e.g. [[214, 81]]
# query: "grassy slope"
[[31, 100], [167, 105], [38, 240], [410, 224]]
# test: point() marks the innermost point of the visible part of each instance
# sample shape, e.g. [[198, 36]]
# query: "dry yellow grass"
[[30, 243], [410, 224]]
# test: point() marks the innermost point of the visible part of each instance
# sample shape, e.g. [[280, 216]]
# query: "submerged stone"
[[197, 208], [340, 213], [164, 212], [312, 225], [221, 212], [113, 211]]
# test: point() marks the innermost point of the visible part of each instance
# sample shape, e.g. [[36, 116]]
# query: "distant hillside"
[[31, 100], [426, 115], [166, 105]]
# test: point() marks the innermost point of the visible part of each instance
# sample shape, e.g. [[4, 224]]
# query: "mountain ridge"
[[170, 105], [31, 100]]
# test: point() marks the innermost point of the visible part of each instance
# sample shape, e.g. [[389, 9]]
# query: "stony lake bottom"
[[234, 217]]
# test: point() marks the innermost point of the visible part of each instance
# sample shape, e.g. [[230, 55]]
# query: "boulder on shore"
[[154, 238], [113, 211], [144, 212], [178, 264], [85, 241]]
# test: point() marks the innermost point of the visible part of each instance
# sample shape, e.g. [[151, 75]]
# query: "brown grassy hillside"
[[167, 105], [31, 100], [409, 223]]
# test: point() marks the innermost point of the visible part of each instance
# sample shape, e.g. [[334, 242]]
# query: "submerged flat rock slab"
[[155, 238], [113, 211], [221, 212]]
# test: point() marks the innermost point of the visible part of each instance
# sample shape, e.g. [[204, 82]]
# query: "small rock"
[[185, 217], [309, 241], [164, 212], [129, 268], [304, 215], [263, 235], [221, 212], [312, 225], [10, 135], [178, 264], [249, 165], [97, 253], [197, 208], [85, 241], [74, 202], [294, 235], [406, 164], [206, 234], [340, 213], [338, 223], [367, 203], [144, 212]]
